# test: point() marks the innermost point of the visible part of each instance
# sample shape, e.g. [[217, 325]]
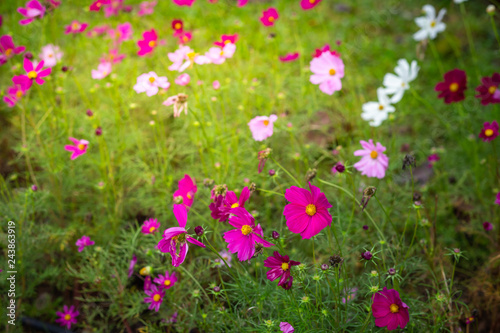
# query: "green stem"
[[495, 30], [286, 171]]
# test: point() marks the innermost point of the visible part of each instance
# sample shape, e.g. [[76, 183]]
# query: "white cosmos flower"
[[397, 84], [430, 25], [459, 1], [377, 112]]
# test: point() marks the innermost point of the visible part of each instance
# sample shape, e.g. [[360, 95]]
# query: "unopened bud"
[[199, 230], [491, 10]]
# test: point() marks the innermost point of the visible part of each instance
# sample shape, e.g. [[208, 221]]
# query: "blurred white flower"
[[397, 84], [377, 112], [430, 25]]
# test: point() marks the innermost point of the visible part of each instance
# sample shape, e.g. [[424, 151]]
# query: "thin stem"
[[495, 30], [195, 281], [286, 171]]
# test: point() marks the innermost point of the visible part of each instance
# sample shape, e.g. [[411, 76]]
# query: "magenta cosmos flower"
[[76, 27], [307, 213], [177, 236], [269, 17], [113, 57], [155, 297], [223, 205], [132, 265], [14, 94], [280, 267], [489, 131], [389, 311], [488, 91], [150, 83], [309, 4], [432, 160], [186, 191], [83, 242], [183, 36], [327, 70], [97, 5], [262, 127], [113, 7], [325, 48], [242, 3], [146, 8], [67, 317], [290, 57], [8, 49], [184, 2], [78, 148], [150, 226], [487, 226], [243, 239], [148, 42], [286, 327], [32, 74], [166, 281], [374, 162], [497, 200], [33, 10], [226, 39], [453, 87], [122, 32]]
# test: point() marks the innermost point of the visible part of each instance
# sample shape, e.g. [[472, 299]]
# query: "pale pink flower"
[[179, 102], [33, 9], [181, 58], [97, 31], [113, 57], [327, 70], [262, 127], [122, 32], [103, 70], [217, 55], [183, 79], [146, 8], [150, 83], [374, 162], [51, 55], [216, 85]]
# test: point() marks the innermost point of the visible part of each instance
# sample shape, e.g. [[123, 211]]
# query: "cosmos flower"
[[146, 8], [489, 131], [488, 91], [389, 311], [289, 57], [83, 242], [33, 10], [280, 267], [179, 102], [269, 16], [377, 112], [396, 85], [79, 148], [222, 206], [309, 4], [242, 3], [284, 326], [184, 2], [350, 295], [172, 237], [181, 58], [150, 83], [217, 55], [97, 5], [155, 298], [429, 25], [103, 70], [374, 162], [14, 94], [98, 31], [453, 87], [226, 256], [32, 74], [132, 265], [113, 7], [150, 226], [183, 36], [487, 226], [183, 79], [497, 200], [216, 85], [307, 213], [113, 57], [226, 39], [75, 28], [67, 317], [432, 160], [148, 42], [262, 127], [325, 48], [244, 238], [50, 55], [123, 32], [8, 49], [186, 191], [327, 71], [177, 25], [166, 281]]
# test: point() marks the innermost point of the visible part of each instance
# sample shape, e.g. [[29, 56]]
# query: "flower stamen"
[[311, 210]]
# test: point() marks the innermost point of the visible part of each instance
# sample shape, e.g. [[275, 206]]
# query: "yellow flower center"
[[167, 283], [32, 75], [271, 19], [152, 229], [221, 53], [374, 154], [189, 196], [151, 79], [237, 204], [310, 210], [67, 317], [332, 71], [184, 38], [492, 89], [177, 26], [454, 87], [8, 52], [380, 107], [19, 93], [246, 229], [227, 42], [157, 297], [488, 132], [266, 122], [81, 146], [152, 43], [284, 266], [191, 55], [433, 23], [50, 55], [75, 26], [312, 1], [394, 308]]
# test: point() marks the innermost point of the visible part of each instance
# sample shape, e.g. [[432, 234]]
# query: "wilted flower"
[[409, 160], [368, 193], [179, 102]]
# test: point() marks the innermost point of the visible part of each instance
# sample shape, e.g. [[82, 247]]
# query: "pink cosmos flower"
[[226, 256], [216, 85], [242, 3], [150, 83], [32, 74], [184, 2], [307, 213], [148, 42], [132, 265], [150, 226], [280, 267], [14, 94], [489, 131], [146, 8], [97, 5], [98, 30], [226, 39], [103, 70], [166, 281], [222, 206], [122, 32], [177, 236], [83, 242], [179, 102], [8, 49], [155, 298], [389, 311], [374, 162], [327, 71], [309, 4], [262, 127], [290, 57], [497, 200], [113, 57], [79, 148], [177, 25], [181, 58], [33, 9], [269, 17], [351, 294], [432, 159], [217, 55], [147, 283], [186, 191], [183, 79], [67, 317], [76, 27], [50, 55], [326, 48], [113, 8], [286, 327], [54, 3], [243, 239], [183, 36]]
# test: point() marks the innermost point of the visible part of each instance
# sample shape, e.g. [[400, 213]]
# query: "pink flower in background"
[[67, 317], [217, 55], [113, 57], [103, 70], [280, 267], [79, 147], [146, 8], [262, 127], [226, 256], [184, 2], [432, 159], [309, 4], [98, 30], [50, 55], [226, 39], [325, 48], [54, 3], [290, 57], [177, 236], [497, 200], [14, 94], [113, 8], [147, 283], [150, 226], [223, 205], [286, 327], [179, 102], [374, 162], [132, 265], [187, 189], [32, 74], [242, 3], [83, 242], [307, 213], [269, 17], [8, 49], [183, 36], [148, 42], [489, 131], [243, 239], [155, 298], [216, 85], [122, 32], [489, 91], [487, 226], [181, 58], [166, 281], [183, 79], [150, 83], [75, 27], [177, 25], [327, 71], [33, 10], [97, 5], [351, 294], [389, 311]]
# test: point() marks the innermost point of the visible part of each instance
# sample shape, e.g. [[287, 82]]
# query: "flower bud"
[[490, 10], [34, 188], [391, 271], [28, 55], [367, 255], [365, 227], [275, 235], [272, 172], [90, 113], [98, 131], [199, 230], [310, 174], [217, 289], [340, 167], [324, 267]]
